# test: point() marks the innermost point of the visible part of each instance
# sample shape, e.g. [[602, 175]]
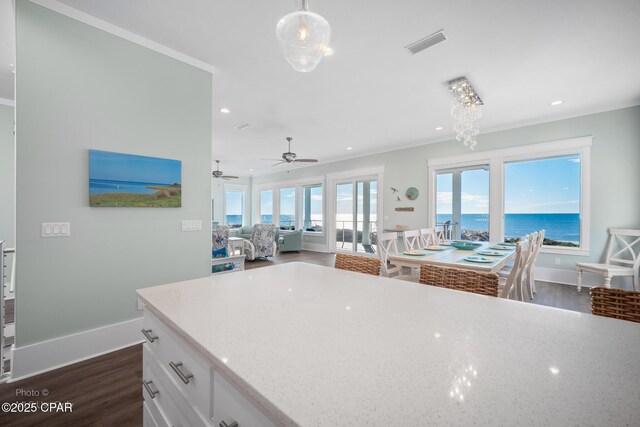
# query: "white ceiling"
[[7, 49], [373, 95]]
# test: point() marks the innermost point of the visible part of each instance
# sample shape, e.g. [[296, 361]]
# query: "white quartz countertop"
[[316, 346]]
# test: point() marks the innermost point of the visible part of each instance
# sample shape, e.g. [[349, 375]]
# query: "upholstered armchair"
[[220, 238], [290, 242], [262, 243]]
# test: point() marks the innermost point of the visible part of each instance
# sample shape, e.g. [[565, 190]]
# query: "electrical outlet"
[[139, 304], [558, 261]]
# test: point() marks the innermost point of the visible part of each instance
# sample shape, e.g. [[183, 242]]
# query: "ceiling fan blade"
[[306, 160], [229, 177], [272, 160], [279, 163]]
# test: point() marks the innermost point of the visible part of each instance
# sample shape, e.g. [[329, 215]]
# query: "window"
[[312, 208], [287, 208], [234, 207], [266, 207], [512, 192], [543, 194]]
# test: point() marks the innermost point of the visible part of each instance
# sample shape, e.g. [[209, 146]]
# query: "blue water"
[[565, 227], [101, 186]]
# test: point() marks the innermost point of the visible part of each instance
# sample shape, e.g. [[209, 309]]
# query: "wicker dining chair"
[[359, 264], [460, 279], [616, 303]]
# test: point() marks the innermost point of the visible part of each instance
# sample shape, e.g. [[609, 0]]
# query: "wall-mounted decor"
[[412, 193], [126, 180], [407, 209]]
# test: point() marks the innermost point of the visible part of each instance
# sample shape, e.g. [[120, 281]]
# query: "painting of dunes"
[[126, 180]]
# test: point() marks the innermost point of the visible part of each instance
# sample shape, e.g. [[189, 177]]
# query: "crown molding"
[[110, 28]]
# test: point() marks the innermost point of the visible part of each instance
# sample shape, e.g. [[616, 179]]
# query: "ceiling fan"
[[219, 174], [290, 157]]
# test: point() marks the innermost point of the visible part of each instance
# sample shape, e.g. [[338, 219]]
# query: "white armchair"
[[262, 243]]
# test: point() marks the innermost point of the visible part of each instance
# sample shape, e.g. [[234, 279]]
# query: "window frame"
[[497, 159], [245, 202], [299, 186], [302, 201]]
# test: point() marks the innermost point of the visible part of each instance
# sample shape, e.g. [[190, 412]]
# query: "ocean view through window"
[[234, 207]]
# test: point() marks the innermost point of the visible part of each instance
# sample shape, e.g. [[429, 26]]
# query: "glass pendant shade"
[[304, 38]]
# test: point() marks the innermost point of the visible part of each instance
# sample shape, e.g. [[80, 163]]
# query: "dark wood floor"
[[106, 390]]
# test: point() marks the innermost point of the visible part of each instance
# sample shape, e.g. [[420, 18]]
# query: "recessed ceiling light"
[[439, 128], [349, 148], [225, 110], [554, 103]]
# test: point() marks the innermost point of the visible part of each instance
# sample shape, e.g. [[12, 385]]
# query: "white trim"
[[290, 183], [110, 28], [356, 173], [315, 247], [7, 102], [496, 159], [52, 354], [569, 277], [552, 148], [246, 202]]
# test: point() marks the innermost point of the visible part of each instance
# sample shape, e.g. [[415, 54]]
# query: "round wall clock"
[[412, 193]]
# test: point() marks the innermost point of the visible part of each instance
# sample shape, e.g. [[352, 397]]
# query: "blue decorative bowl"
[[465, 246]]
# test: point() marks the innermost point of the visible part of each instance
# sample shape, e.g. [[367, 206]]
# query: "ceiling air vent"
[[424, 43], [241, 126]]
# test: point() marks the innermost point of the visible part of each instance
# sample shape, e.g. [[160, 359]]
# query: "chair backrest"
[[616, 303], [263, 238], [440, 234], [219, 236], [428, 236], [513, 286], [624, 247], [537, 240], [459, 279], [387, 244], [359, 264], [411, 239]]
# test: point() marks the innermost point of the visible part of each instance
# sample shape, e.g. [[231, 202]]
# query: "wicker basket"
[[460, 279], [616, 303], [358, 264]]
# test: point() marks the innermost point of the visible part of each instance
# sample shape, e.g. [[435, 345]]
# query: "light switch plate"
[[191, 225], [56, 229]]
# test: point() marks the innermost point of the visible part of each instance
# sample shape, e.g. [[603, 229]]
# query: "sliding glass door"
[[462, 202], [356, 216]]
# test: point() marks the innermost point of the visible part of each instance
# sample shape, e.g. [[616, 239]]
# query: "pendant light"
[[304, 38]]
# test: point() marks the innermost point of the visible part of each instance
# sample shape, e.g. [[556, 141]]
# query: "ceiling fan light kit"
[[304, 38], [219, 174]]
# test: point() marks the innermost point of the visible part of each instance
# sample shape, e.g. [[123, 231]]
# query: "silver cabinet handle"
[[147, 386], [233, 424], [176, 368], [147, 334]]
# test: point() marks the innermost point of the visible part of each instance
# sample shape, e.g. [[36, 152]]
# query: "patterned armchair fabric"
[[219, 236], [263, 241]]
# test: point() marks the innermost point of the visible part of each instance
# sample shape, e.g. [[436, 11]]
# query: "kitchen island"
[[304, 345]]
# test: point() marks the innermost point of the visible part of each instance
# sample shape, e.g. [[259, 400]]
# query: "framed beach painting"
[[126, 180]]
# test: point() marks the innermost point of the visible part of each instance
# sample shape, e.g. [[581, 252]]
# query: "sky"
[[127, 167], [537, 186]]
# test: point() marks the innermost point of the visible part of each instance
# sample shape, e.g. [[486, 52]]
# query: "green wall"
[[80, 88], [7, 176], [615, 175]]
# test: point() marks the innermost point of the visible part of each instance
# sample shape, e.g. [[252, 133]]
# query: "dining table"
[[446, 255]]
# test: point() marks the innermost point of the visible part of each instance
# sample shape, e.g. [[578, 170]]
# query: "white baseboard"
[[52, 354], [315, 247], [569, 277]]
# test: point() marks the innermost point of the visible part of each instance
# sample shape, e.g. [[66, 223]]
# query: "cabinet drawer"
[[189, 372], [230, 405], [162, 409], [184, 403]]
